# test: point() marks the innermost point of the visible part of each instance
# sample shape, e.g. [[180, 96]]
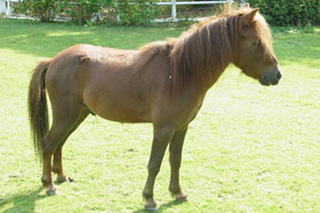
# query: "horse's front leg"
[[175, 163], [160, 142]]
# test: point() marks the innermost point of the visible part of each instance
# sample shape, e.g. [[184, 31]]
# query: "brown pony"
[[163, 83]]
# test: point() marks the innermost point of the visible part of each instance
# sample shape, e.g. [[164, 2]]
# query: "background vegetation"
[[277, 12], [251, 149], [80, 11], [86, 11], [293, 12]]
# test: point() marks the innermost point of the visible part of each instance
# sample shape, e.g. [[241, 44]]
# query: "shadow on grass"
[[163, 207], [22, 202]]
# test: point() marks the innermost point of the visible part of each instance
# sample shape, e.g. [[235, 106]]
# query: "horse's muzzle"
[[270, 77]]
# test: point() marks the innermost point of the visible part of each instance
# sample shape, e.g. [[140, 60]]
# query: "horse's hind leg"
[[65, 121], [57, 157], [57, 165]]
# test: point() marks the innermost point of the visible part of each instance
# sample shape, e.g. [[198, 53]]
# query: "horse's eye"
[[256, 43]]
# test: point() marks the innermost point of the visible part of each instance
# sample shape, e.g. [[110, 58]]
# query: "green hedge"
[[293, 12], [277, 12], [80, 11], [135, 12], [44, 10], [83, 11]]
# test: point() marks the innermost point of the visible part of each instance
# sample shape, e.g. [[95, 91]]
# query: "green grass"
[[251, 148]]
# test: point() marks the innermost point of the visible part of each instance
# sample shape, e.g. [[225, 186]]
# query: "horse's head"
[[254, 53]]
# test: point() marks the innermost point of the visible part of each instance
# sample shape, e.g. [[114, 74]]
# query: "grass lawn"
[[251, 148]]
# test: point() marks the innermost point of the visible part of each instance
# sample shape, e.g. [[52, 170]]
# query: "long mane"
[[204, 51]]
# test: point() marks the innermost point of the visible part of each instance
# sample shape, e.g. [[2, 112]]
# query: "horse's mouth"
[[270, 78], [266, 82]]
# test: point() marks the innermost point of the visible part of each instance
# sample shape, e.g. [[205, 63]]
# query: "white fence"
[[5, 7], [175, 3]]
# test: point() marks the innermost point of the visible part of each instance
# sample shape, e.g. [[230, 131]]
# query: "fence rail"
[[175, 3]]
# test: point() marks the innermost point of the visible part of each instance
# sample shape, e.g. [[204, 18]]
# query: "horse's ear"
[[250, 16]]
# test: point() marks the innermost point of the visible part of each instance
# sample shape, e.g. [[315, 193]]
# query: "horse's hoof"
[[51, 192], [65, 179], [181, 197], [151, 206], [151, 209]]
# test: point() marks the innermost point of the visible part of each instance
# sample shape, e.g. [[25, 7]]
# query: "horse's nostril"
[[265, 78], [279, 75]]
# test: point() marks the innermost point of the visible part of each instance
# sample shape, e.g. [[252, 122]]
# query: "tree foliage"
[[293, 12]]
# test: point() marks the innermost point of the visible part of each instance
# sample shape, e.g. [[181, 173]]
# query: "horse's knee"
[[46, 143], [153, 169], [51, 141]]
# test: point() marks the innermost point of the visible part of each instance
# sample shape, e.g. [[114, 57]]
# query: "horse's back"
[[104, 80], [79, 64]]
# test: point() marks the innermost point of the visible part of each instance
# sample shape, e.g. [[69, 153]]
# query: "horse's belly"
[[119, 109], [124, 116]]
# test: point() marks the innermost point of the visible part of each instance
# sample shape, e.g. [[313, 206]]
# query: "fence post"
[[8, 13], [174, 10], [3, 9]]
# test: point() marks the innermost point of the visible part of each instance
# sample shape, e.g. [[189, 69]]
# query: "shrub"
[[294, 12], [45, 10], [140, 12], [82, 11]]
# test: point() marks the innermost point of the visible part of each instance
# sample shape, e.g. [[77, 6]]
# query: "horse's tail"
[[38, 110]]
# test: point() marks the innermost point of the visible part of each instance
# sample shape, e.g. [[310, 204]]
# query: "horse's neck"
[[210, 52]]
